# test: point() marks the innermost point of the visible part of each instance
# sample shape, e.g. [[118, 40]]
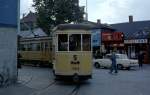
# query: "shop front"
[[134, 46], [113, 40]]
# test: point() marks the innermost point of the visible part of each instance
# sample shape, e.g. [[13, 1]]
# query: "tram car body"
[[35, 51], [73, 52]]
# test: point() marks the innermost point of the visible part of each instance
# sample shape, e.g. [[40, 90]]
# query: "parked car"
[[122, 61]]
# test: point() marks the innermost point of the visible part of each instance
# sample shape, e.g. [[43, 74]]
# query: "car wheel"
[[119, 66], [97, 65]]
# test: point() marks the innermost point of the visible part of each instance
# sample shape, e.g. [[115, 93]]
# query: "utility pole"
[[86, 18]]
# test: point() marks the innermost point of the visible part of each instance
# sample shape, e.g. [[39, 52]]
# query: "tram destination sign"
[[8, 12]]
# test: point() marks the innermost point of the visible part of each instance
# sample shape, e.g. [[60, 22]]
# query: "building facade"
[[136, 37]]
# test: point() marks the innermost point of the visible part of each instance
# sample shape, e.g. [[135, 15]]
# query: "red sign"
[[107, 36], [117, 36], [112, 36]]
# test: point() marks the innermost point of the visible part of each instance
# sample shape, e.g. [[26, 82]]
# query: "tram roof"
[[73, 26]]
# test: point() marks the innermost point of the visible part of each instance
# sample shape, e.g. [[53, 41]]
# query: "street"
[[40, 81]]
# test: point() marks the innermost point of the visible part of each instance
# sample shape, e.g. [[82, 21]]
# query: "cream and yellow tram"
[[36, 51], [72, 51]]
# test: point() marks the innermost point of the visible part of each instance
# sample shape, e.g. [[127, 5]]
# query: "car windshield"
[[121, 56], [118, 56]]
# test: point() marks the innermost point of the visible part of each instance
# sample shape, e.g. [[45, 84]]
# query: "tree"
[[53, 12]]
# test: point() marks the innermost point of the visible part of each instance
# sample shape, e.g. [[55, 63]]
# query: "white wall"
[[8, 54]]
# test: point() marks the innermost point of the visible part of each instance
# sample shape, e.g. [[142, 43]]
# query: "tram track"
[[39, 91], [75, 90], [26, 82]]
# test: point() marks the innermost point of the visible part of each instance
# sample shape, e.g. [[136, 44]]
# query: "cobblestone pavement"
[[40, 81]]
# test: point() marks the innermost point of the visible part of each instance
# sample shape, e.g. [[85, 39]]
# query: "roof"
[[36, 32], [31, 17], [134, 30], [73, 26], [98, 26]]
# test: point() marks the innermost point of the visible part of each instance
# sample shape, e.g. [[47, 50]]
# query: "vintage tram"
[[35, 51], [72, 57]]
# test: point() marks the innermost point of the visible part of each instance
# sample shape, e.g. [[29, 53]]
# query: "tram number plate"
[[75, 68]]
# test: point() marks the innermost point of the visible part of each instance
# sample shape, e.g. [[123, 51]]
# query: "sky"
[[108, 11]]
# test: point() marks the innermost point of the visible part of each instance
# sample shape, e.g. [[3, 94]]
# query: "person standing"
[[114, 64], [140, 58], [18, 60]]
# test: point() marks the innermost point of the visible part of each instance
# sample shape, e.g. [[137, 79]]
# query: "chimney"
[[98, 21], [130, 19]]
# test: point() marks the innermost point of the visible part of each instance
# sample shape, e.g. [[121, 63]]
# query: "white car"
[[122, 61]]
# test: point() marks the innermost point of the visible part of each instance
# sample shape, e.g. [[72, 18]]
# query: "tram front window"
[[86, 42], [62, 42], [75, 42]]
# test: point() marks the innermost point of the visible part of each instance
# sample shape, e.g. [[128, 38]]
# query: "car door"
[[106, 61]]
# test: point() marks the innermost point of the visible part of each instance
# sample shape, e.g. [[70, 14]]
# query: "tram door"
[[80, 53], [75, 52]]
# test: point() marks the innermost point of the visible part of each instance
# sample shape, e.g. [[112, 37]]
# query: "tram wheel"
[[97, 65]]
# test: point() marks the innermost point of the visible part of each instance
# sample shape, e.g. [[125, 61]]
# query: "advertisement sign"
[[96, 37], [9, 12], [136, 41], [107, 36]]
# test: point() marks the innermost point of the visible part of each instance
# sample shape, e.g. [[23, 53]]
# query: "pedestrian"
[[140, 58], [114, 64], [18, 59]]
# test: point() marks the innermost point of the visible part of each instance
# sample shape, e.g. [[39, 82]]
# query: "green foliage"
[[53, 12]]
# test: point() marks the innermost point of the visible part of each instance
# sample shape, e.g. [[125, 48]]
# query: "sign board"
[[107, 36], [9, 12], [136, 41], [112, 36], [96, 37]]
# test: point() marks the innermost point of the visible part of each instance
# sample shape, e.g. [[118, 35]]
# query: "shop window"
[[62, 42], [86, 42], [75, 42]]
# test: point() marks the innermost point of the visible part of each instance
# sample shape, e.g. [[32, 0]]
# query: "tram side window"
[[22, 47], [46, 46], [86, 42], [36, 47], [62, 42], [75, 42], [29, 47]]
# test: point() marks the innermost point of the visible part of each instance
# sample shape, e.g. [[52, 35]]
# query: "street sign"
[[96, 37], [9, 12]]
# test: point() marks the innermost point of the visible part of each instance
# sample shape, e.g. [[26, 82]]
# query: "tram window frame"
[[42, 46], [86, 43], [75, 44], [62, 42]]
